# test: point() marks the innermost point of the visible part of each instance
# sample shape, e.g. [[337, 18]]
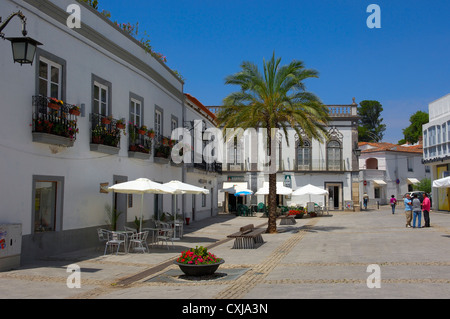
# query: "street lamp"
[[357, 152], [23, 48]]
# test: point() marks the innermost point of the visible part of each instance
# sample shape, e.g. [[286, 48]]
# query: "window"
[[101, 96], [135, 112], [439, 134], [47, 196], [174, 124], [204, 200], [444, 133], [304, 156], [377, 192], [50, 78], [100, 99], [334, 156], [409, 163], [158, 124]]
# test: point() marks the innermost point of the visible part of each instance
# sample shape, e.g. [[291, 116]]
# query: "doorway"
[[120, 203], [334, 195]]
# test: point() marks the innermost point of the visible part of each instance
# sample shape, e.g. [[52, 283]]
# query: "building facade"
[[330, 164], [55, 163], [436, 148], [388, 169], [198, 119]]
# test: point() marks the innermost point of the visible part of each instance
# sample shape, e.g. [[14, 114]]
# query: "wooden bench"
[[287, 220], [247, 237]]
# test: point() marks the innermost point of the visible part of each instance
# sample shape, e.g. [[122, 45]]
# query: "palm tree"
[[276, 99]]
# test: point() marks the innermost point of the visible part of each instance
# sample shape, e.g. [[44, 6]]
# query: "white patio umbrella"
[[442, 182], [309, 190], [141, 186], [184, 188], [281, 189]]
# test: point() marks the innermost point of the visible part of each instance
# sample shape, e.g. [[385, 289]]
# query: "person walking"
[[393, 202], [408, 209], [417, 211], [426, 206], [365, 200]]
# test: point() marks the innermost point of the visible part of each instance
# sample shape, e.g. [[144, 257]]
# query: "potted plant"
[[55, 104], [151, 133], [107, 119], [296, 213], [75, 110], [198, 262], [98, 135], [142, 130], [120, 124]]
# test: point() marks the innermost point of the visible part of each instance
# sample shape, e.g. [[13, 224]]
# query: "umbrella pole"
[[142, 212]]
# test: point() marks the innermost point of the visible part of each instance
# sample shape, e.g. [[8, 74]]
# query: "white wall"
[[81, 168]]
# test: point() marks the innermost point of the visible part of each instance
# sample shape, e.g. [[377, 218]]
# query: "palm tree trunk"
[[272, 223]]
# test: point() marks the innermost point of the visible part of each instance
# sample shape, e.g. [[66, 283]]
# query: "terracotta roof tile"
[[200, 105], [389, 147]]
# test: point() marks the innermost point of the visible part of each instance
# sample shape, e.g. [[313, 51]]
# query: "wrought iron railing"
[[138, 141], [55, 117], [163, 146], [104, 130]]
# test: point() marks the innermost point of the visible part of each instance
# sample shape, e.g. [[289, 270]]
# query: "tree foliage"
[[414, 130], [424, 185], [274, 99], [370, 127]]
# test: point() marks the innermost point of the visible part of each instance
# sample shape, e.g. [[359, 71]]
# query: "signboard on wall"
[[287, 181]]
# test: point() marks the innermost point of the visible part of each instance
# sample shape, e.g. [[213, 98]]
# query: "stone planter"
[[199, 270]]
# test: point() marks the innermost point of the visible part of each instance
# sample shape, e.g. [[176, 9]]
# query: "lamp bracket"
[[8, 19]]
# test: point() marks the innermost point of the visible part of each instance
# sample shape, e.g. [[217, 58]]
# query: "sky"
[[404, 65]]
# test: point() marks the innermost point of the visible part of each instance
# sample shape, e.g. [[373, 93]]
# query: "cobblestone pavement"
[[323, 257]]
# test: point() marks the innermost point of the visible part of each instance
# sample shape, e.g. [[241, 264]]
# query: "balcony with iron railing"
[[105, 133], [54, 121], [163, 149], [214, 167], [139, 141], [316, 165]]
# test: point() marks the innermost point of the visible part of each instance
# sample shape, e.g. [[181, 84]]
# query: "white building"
[[436, 148], [330, 164], [388, 169], [50, 173], [198, 119]]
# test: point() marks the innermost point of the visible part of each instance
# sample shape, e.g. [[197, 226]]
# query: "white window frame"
[[136, 112], [158, 124], [48, 79], [106, 103]]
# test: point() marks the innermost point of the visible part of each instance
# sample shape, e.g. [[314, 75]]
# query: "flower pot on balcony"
[[75, 112], [120, 126], [97, 140], [141, 132], [151, 134], [54, 106], [106, 120]]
